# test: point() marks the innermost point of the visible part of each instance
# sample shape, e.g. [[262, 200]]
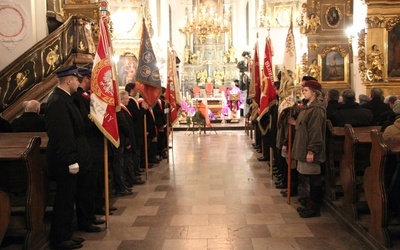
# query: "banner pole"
[[289, 174], [167, 135], [106, 191], [145, 147]]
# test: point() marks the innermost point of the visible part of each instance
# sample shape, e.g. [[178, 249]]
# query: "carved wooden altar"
[[379, 47], [329, 50]]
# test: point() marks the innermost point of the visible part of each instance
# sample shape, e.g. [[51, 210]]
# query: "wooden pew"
[[357, 147], [15, 153], [334, 154], [375, 187], [5, 212]]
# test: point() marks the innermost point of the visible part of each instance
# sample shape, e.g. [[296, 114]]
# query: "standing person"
[[88, 180], [309, 144], [68, 152], [137, 113]]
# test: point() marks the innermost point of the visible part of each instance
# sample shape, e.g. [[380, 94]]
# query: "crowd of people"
[[305, 121], [75, 150]]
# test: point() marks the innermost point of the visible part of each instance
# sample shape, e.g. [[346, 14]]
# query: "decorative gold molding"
[[339, 49], [361, 54], [349, 9], [313, 46], [375, 22], [390, 23]]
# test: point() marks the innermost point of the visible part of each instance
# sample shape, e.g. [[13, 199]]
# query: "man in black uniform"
[[88, 180], [68, 152]]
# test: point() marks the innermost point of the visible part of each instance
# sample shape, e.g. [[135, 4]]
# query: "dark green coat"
[[310, 132]]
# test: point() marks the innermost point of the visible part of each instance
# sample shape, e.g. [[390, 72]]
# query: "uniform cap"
[[69, 70], [84, 70]]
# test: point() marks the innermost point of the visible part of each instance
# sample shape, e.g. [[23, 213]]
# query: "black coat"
[[353, 114], [66, 131], [331, 108], [5, 126], [137, 113], [377, 107], [29, 122], [92, 132]]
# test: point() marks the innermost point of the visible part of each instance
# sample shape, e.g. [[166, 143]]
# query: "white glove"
[[73, 168], [166, 111]]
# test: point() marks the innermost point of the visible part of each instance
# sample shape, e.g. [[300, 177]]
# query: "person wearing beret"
[[68, 153], [309, 144]]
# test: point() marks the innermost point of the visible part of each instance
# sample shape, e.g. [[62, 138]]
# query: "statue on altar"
[[218, 77], [234, 99], [202, 77]]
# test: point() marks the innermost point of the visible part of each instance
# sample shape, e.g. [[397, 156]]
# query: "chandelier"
[[203, 23]]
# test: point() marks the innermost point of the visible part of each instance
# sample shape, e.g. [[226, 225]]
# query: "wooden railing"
[[30, 76]]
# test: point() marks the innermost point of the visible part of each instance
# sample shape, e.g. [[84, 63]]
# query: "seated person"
[[30, 120], [350, 112], [209, 87]]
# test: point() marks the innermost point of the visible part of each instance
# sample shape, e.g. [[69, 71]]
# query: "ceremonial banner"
[[171, 97], [268, 93], [104, 100], [148, 81], [288, 73], [254, 90]]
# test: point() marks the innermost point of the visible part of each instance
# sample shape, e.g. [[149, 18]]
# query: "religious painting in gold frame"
[[394, 52], [334, 62], [332, 16]]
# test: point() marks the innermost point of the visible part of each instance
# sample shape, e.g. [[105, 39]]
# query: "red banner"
[[257, 79], [172, 88], [104, 100], [268, 94]]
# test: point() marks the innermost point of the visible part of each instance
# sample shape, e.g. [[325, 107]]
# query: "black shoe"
[[274, 169], [259, 150], [112, 208], [310, 213], [123, 193], [129, 189], [91, 228], [278, 182], [140, 170], [278, 175], [262, 158], [78, 240], [68, 244], [98, 221], [138, 173], [139, 182], [281, 186]]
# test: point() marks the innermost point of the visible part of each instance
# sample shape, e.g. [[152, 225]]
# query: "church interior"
[[202, 202]]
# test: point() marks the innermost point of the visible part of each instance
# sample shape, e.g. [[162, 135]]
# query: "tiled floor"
[[214, 194]]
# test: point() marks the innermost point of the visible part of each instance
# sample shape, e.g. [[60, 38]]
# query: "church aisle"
[[214, 195]]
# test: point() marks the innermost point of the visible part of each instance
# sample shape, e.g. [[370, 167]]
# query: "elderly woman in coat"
[[309, 144]]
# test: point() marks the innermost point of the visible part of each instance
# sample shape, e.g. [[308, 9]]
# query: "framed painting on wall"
[[211, 4], [332, 16], [127, 66], [334, 62]]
